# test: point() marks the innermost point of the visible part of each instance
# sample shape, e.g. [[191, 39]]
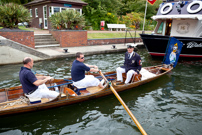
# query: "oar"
[[124, 105]]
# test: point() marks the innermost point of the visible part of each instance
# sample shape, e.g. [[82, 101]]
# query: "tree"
[[101, 10], [16, 1], [11, 14], [98, 10]]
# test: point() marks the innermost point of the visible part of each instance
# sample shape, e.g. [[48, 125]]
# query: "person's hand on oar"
[[124, 105]]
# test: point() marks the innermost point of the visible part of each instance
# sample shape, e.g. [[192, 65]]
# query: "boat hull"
[[156, 45], [70, 99]]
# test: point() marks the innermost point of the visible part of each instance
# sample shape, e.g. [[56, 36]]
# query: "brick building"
[[41, 10]]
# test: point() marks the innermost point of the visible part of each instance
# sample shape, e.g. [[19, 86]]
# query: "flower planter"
[[70, 38]]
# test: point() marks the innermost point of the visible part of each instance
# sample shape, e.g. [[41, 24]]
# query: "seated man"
[[132, 65], [34, 86], [78, 73]]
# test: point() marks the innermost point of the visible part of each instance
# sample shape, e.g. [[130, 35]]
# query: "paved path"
[[58, 52]]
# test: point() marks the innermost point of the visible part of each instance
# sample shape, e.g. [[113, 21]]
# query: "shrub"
[[132, 20], [11, 14], [67, 19]]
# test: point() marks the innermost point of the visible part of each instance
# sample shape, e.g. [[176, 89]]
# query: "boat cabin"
[[41, 10], [179, 18]]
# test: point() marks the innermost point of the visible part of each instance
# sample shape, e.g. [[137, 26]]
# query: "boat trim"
[[181, 55], [156, 17]]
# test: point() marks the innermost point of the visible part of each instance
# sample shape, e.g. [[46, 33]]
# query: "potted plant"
[[67, 28], [11, 15]]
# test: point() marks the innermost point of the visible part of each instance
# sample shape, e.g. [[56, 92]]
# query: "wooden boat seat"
[[93, 89], [134, 77]]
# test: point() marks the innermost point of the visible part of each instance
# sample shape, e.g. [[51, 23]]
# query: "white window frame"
[[53, 10], [30, 11], [50, 13], [36, 12], [66, 9], [80, 10]]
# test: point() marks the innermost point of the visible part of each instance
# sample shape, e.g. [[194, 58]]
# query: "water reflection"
[[169, 105]]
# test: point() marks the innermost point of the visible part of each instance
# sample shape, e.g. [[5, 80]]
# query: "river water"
[[170, 105]]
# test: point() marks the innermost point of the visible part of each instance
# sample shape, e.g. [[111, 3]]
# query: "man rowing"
[[34, 86], [78, 73], [132, 65]]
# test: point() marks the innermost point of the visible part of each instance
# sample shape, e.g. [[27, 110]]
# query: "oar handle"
[[100, 72], [124, 105]]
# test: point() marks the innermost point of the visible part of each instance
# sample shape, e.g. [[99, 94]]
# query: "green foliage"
[[67, 19], [132, 20], [11, 14], [15, 1], [99, 10]]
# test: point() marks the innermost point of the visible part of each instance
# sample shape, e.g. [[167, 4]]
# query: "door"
[[168, 27], [45, 19]]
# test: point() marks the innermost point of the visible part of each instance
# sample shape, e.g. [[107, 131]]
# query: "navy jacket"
[[133, 63]]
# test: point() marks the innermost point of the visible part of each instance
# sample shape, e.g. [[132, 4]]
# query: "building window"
[[30, 12], [60, 9], [63, 9], [50, 11], [79, 10], [36, 12], [56, 9]]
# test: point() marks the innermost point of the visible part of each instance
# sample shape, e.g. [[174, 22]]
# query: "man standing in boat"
[[132, 65], [34, 86], [78, 73]]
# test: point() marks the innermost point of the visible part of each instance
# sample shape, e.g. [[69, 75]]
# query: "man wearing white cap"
[[132, 65]]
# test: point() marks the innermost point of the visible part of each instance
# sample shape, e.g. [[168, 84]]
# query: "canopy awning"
[[156, 17]]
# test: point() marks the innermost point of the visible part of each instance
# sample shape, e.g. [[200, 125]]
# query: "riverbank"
[[58, 52], [13, 52]]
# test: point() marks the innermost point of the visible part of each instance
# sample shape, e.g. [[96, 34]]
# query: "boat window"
[[160, 29]]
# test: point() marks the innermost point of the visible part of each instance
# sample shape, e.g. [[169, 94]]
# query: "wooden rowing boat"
[[11, 101]]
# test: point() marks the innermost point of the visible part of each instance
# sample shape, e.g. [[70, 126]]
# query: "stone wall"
[[20, 36], [13, 52], [70, 38], [112, 41]]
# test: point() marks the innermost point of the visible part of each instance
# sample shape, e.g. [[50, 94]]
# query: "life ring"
[[196, 10], [169, 9]]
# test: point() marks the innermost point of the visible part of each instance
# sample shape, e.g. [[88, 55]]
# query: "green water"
[[170, 105]]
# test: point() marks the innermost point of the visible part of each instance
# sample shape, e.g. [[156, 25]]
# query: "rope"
[[19, 101]]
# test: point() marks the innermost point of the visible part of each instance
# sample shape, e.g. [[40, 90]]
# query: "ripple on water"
[[169, 105]]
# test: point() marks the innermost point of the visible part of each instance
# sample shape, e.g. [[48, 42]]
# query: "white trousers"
[[43, 92], [88, 81], [119, 72]]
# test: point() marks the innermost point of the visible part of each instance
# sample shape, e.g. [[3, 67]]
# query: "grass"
[[114, 35], [20, 27], [102, 34]]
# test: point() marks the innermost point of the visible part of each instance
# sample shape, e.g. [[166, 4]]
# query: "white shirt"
[[131, 54]]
